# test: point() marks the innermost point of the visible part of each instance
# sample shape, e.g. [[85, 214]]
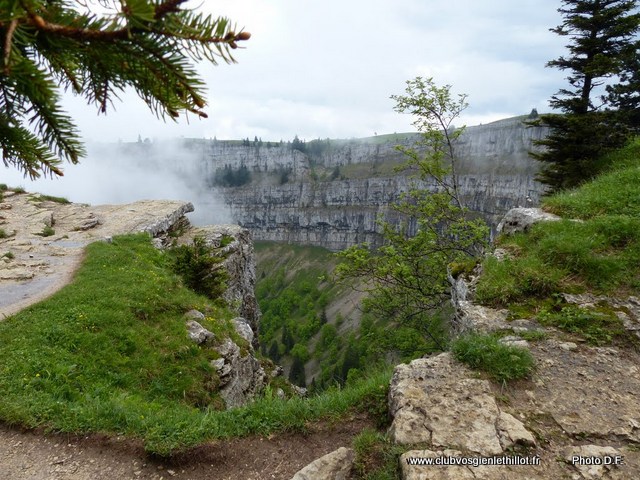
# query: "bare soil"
[[35, 455]]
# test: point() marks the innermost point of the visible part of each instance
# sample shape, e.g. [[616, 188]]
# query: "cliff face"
[[495, 174]]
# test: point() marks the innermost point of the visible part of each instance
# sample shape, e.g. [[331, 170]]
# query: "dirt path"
[[36, 456]]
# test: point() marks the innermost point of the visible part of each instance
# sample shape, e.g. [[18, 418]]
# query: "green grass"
[[615, 192], [485, 352], [50, 198], [47, 231], [3, 233], [377, 457], [598, 325], [109, 353], [600, 251]]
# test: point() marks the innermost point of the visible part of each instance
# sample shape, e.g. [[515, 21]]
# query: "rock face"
[[495, 174], [435, 400], [236, 245]]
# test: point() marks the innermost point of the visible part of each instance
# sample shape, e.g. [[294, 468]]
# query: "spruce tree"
[[602, 34], [148, 45]]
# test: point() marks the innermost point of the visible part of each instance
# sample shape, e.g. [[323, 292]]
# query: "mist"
[[117, 173]]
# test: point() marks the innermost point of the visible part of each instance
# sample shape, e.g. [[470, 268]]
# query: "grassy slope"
[[599, 253], [109, 353]]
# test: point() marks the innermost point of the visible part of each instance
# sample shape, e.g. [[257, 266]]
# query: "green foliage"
[[144, 44], [47, 231], [598, 326], [8, 255], [603, 46], [3, 233], [228, 177], [406, 278], [377, 457], [200, 268], [51, 198], [485, 352]]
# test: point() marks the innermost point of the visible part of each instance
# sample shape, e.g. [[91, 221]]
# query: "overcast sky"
[[327, 68]]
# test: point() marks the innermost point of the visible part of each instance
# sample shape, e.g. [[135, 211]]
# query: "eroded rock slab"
[[333, 466], [590, 391], [437, 401]]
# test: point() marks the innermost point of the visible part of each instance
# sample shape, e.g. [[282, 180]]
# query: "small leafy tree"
[[406, 277], [148, 45]]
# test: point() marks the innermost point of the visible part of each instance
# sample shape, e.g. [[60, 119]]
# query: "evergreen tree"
[[144, 44], [297, 374], [602, 47]]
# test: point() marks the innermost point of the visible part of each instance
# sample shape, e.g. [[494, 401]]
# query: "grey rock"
[[239, 262], [336, 465], [163, 225], [244, 330], [514, 341], [194, 315], [521, 220], [49, 220], [197, 333], [242, 376], [435, 400]]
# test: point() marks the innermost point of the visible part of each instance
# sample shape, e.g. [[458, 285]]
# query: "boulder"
[[333, 466], [197, 333], [521, 219]]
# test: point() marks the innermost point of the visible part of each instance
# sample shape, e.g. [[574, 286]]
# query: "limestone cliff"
[[332, 193]]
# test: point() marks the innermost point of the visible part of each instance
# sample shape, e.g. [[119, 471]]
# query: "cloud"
[[124, 173]]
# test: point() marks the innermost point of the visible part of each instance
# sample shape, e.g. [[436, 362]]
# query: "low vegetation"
[[501, 362], [594, 248], [376, 457], [109, 353]]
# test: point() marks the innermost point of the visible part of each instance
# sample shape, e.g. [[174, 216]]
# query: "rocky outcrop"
[[42, 261], [40, 264], [576, 417], [521, 219], [437, 401], [235, 245], [333, 466]]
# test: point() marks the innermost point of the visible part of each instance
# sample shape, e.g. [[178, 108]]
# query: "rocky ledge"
[[576, 417], [42, 245]]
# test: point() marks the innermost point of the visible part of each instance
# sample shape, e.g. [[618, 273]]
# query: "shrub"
[[201, 270], [47, 231], [485, 352]]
